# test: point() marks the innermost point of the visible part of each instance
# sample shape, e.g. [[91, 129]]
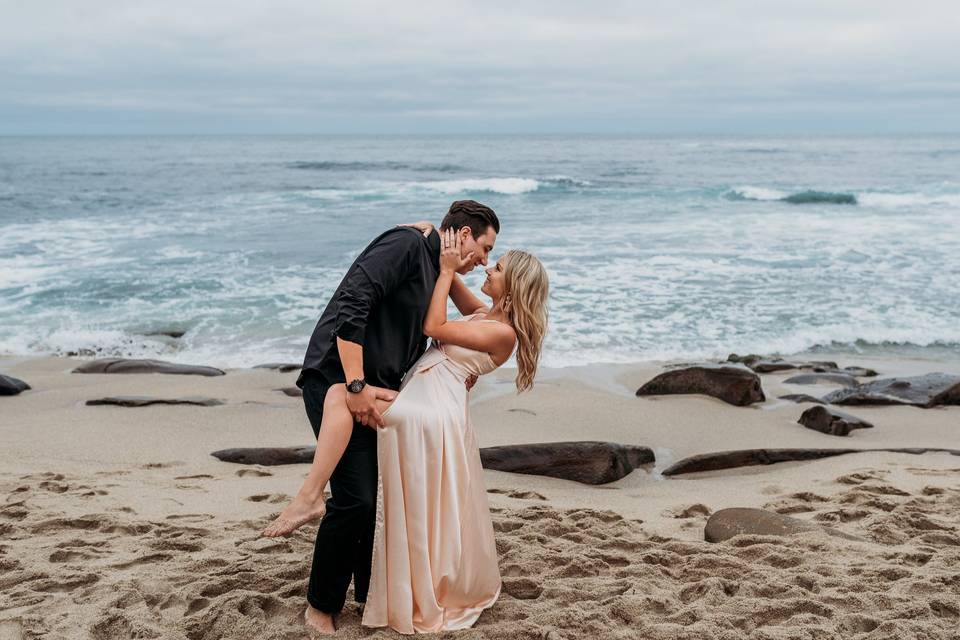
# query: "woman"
[[434, 557]]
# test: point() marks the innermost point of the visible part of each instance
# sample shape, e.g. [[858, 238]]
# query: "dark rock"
[[770, 366], [861, 372], [734, 385], [293, 392], [146, 401], [720, 460], [824, 378], [831, 421], [122, 365], [282, 367], [857, 372], [801, 397], [727, 523], [168, 333], [267, 456], [747, 458], [586, 462], [522, 588], [760, 364], [930, 390], [10, 386]]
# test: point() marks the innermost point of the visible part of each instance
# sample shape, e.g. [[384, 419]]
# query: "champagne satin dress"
[[434, 556]]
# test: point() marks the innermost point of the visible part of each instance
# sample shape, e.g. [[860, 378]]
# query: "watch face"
[[355, 386]]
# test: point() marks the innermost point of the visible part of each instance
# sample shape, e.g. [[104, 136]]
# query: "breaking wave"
[[801, 197]]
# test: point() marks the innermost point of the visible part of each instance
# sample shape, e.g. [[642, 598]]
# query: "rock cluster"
[[931, 390]]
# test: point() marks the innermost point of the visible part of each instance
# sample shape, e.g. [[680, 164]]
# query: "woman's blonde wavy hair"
[[526, 287]]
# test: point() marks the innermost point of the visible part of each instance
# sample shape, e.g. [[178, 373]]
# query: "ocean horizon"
[[224, 249]]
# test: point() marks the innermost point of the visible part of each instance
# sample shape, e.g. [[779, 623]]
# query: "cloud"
[[478, 66]]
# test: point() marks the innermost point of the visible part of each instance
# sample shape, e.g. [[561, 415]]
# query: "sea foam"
[[508, 186]]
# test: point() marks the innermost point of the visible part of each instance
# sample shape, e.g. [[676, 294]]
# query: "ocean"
[[657, 248]]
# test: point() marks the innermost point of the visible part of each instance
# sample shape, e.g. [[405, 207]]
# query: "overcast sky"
[[309, 66]]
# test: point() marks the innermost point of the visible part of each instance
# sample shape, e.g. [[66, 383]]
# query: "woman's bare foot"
[[298, 513], [319, 621]]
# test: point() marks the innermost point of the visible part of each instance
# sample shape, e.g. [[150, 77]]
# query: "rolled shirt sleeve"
[[385, 264]]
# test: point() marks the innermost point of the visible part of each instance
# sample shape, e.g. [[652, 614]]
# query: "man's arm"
[[382, 266]]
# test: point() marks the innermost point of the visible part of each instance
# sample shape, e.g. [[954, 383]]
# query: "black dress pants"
[[344, 545]]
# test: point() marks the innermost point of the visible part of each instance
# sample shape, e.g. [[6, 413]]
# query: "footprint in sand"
[[47, 475], [266, 545], [54, 486], [163, 544], [112, 473], [62, 584], [92, 522], [861, 477], [257, 473], [518, 494], [689, 511], [506, 526], [77, 542], [15, 510], [272, 498], [190, 487], [190, 517], [69, 555], [142, 560], [162, 465]]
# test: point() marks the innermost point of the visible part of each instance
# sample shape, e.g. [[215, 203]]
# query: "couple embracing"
[[408, 519]]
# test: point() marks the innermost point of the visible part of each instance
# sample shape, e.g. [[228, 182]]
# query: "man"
[[367, 337]]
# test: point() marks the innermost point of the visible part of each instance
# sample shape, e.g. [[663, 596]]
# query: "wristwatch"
[[356, 386]]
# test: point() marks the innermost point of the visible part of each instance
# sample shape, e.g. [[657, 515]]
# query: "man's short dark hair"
[[470, 213]]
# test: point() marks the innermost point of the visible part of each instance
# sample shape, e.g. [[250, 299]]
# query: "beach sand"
[[117, 522]]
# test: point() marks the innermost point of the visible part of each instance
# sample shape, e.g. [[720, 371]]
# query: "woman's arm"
[[495, 338], [463, 298], [467, 303]]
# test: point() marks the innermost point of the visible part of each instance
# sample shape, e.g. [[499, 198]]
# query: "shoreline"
[[563, 405]]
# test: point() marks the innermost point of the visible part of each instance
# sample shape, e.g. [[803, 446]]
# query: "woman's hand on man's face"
[[450, 260]]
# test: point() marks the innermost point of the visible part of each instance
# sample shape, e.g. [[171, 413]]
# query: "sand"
[[117, 523]]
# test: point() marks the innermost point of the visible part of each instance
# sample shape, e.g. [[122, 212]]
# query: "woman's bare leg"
[[335, 430]]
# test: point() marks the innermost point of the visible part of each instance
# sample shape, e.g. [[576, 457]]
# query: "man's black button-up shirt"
[[381, 304]]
